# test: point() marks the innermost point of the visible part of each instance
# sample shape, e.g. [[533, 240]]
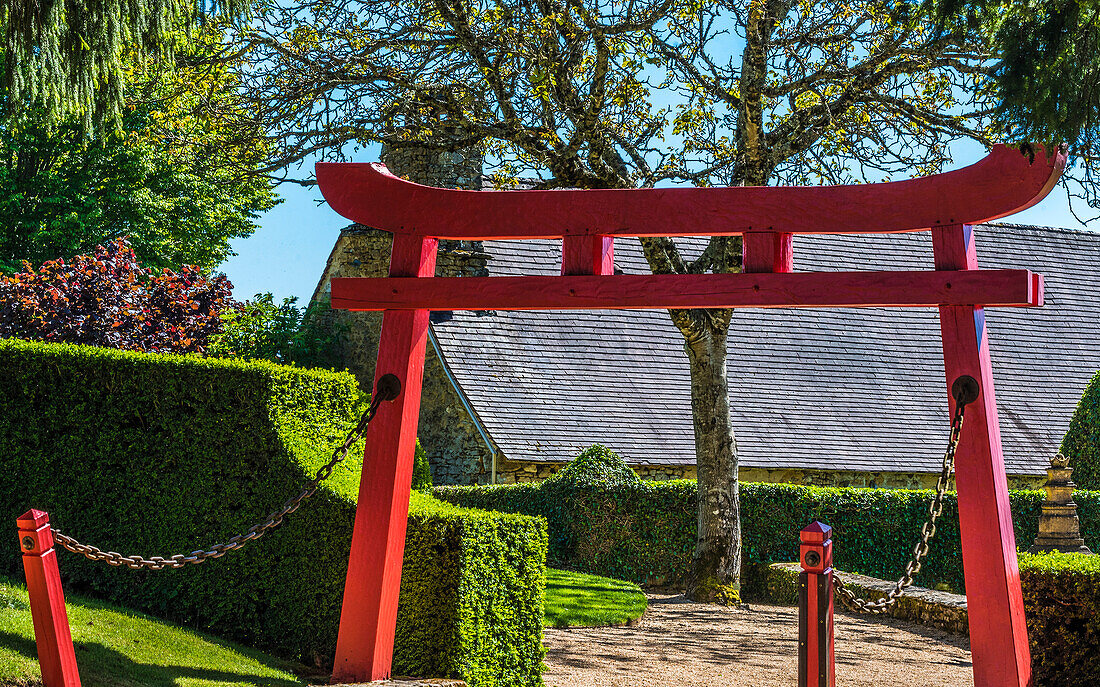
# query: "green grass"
[[575, 599], [119, 648]]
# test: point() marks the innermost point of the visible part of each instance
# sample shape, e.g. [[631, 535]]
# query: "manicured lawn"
[[575, 599], [119, 648]]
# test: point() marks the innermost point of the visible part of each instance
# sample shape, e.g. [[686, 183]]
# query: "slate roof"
[[810, 389]]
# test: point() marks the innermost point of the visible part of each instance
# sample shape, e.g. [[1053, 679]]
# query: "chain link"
[[273, 520], [927, 531]]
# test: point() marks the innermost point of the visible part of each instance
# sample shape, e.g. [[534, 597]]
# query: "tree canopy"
[[174, 178]]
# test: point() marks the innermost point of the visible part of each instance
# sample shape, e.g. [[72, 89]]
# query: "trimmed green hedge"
[[161, 454], [1082, 442], [1062, 602], [645, 532]]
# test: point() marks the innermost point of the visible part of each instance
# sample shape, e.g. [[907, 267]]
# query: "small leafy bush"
[[157, 454], [108, 299], [260, 329], [596, 466], [1082, 442], [1062, 602]]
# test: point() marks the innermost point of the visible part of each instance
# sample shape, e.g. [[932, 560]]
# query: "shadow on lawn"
[[100, 665]]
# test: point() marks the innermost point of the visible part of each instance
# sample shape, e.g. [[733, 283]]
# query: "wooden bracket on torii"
[[588, 221]]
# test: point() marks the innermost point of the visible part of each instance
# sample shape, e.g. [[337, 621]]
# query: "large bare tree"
[[630, 93]]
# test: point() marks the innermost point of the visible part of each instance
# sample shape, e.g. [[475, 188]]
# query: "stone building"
[[819, 396]]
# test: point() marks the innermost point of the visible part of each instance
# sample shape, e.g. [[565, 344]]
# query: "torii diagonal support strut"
[[588, 222], [998, 632]]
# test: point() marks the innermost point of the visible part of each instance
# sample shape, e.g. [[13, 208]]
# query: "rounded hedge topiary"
[[597, 465], [1082, 442]]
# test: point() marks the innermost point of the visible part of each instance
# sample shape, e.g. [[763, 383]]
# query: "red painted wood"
[[588, 255], [998, 633], [816, 659], [1005, 182], [368, 618], [660, 291], [767, 252], [813, 656], [51, 621]]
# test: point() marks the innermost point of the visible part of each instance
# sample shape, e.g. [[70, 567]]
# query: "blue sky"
[[288, 252]]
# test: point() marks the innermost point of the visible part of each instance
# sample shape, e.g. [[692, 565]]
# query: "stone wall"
[[514, 471]]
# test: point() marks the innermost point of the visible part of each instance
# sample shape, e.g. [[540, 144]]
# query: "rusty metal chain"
[[388, 389], [965, 391]]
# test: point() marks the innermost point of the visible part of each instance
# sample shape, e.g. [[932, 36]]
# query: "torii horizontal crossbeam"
[[1019, 288], [1004, 182]]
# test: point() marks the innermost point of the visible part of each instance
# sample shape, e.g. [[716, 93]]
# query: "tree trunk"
[[715, 575]]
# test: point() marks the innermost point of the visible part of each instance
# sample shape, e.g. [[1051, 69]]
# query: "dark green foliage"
[[1049, 74], [646, 533], [1082, 442], [422, 472], [643, 532], [262, 330], [161, 454], [1062, 602], [108, 299]]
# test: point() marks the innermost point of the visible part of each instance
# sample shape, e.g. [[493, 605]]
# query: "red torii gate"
[[1005, 182]]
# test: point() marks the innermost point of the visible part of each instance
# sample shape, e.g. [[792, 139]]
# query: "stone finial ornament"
[[1059, 528]]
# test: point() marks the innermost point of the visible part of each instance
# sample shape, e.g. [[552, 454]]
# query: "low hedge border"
[[1062, 602], [156, 454], [645, 532]]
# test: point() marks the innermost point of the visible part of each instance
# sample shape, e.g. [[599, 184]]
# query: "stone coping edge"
[[942, 610]]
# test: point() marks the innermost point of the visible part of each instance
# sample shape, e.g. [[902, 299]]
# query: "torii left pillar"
[[368, 618]]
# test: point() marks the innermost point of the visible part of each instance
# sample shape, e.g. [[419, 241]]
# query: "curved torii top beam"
[[1004, 182]]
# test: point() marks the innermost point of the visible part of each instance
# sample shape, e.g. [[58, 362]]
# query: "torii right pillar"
[[998, 632]]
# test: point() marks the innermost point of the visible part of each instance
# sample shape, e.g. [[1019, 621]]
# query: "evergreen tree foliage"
[[68, 58], [1047, 66], [422, 473]]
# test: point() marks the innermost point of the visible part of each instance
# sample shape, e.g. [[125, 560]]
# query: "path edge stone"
[[942, 610]]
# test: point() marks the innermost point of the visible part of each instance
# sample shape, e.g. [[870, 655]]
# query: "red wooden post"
[[588, 255], [767, 252], [998, 633], [368, 618], [51, 623], [815, 607]]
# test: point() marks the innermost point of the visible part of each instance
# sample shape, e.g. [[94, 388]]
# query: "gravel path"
[[684, 644]]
